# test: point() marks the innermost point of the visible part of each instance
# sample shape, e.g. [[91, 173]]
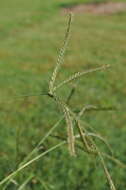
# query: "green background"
[[31, 33]]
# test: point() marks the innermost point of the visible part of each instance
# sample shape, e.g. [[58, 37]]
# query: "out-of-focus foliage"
[[30, 35]]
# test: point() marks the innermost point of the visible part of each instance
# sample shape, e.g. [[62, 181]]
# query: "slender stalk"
[[30, 162], [25, 182], [42, 140]]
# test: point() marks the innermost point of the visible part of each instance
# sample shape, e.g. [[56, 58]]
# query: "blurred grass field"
[[31, 34]]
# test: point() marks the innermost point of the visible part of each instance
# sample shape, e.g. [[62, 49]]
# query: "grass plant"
[[79, 134]]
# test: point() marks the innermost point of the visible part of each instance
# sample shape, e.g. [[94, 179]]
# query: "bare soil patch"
[[98, 8]]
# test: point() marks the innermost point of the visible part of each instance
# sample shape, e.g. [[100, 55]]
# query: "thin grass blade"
[[108, 176], [78, 75], [25, 183], [30, 162], [42, 140]]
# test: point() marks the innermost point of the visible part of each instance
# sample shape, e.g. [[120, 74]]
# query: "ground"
[[97, 8]]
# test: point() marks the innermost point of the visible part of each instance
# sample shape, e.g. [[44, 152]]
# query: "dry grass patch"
[[97, 8]]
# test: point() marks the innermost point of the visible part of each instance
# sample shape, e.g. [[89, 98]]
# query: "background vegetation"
[[30, 36]]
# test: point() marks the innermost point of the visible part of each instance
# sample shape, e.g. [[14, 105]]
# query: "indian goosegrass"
[[86, 134]]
